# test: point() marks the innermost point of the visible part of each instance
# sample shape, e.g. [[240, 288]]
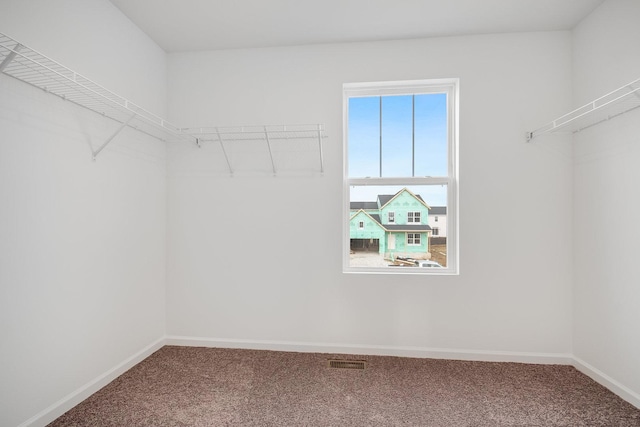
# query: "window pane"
[[397, 135], [431, 135], [414, 136], [382, 243], [364, 136]]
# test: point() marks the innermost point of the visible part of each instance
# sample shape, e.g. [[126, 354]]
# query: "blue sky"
[[398, 159]]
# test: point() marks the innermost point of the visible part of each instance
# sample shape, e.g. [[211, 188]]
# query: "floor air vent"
[[347, 364]]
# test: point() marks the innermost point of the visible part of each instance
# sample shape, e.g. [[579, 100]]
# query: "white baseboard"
[[63, 405], [375, 350], [608, 382]]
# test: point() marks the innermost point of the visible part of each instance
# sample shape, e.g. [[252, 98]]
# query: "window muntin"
[[413, 217], [391, 217], [413, 239], [411, 146]]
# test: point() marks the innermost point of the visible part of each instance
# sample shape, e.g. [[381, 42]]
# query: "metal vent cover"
[[347, 364]]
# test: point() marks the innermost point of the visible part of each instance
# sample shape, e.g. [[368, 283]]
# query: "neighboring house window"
[[435, 231], [361, 225], [435, 219], [400, 159]]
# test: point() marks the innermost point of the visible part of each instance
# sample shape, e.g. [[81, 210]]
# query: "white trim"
[[374, 350], [449, 86], [415, 180], [400, 87], [608, 382], [54, 411]]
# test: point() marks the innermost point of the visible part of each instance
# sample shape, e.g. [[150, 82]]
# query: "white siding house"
[[438, 221]]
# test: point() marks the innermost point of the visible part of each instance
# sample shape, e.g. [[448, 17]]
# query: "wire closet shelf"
[[270, 136], [606, 107], [36, 69], [27, 65]]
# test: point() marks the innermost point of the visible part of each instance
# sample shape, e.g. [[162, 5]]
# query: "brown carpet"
[[186, 386]]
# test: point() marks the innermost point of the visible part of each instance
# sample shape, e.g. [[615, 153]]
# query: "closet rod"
[[613, 104]]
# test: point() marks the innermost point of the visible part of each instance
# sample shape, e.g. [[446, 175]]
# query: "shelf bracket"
[[226, 157], [10, 56], [528, 136], [273, 165], [320, 148], [116, 133]]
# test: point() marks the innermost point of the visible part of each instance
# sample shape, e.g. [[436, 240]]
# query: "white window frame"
[[451, 88], [411, 217], [391, 218]]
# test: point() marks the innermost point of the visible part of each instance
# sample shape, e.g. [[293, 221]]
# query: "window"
[[435, 219], [400, 159], [435, 231], [361, 225], [413, 239]]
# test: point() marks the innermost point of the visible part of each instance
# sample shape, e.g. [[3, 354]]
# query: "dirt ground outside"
[[374, 259], [367, 259], [439, 254]]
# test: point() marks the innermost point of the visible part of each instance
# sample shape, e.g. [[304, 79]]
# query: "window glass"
[[397, 157], [380, 242], [400, 161], [364, 131], [431, 135]]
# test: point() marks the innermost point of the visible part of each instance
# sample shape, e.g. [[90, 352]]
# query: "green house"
[[394, 225]]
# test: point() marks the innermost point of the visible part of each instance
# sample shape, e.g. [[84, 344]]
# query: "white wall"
[[94, 39], [607, 201], [82, 243], [256, 260]]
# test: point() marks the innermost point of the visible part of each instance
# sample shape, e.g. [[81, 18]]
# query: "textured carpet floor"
[[186, 386]]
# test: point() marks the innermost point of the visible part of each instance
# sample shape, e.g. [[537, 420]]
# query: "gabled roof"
[[354, 206], [385, 199], [374, 217], [438, 210]]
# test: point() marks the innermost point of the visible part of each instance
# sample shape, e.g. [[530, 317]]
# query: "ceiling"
[[186, 25]]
